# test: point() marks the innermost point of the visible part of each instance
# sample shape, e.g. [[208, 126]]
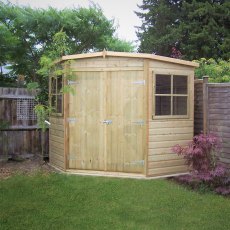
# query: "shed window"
[[56, 94], [171, 95]]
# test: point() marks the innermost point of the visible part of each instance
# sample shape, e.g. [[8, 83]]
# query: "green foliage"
[[49, 62], [8, 81], [51, 68], [46, 64], [7, 44], [119, 45], [42, 113], [68, 89], [27, 34], [156, 33], [59, 46], [196, 28], [218, 71], [32, 85]]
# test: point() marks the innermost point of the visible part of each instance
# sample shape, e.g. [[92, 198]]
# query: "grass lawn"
[[56, 201]]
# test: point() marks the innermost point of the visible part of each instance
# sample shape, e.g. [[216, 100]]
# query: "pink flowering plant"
[[201, 155]]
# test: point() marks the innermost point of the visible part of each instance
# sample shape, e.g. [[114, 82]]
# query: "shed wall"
[[56, 143], [159, 66], [165, 133], [106, 64], [162, 134]]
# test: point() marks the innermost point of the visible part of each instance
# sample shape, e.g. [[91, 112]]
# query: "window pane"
[[59, 83], [180, 84], [180, 105], [53, 101], [163, 105], [59, 103], [53, 85], [163, 84]]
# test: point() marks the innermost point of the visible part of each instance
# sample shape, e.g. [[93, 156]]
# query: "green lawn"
[[58, 201]]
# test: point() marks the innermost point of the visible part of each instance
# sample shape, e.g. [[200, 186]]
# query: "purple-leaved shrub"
[[201, 155]]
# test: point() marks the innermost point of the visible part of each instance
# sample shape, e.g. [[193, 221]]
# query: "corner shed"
[[127, 112]]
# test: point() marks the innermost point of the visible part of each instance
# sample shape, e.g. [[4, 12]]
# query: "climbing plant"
[[51, 67]]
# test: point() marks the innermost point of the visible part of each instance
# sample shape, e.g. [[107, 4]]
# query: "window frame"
[[171, 94], [56, 94]]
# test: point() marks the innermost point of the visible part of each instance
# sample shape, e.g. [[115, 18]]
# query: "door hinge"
[[141, 162], [69, 82], [139, 122], [107, 122], [71, 119], [141, 82]]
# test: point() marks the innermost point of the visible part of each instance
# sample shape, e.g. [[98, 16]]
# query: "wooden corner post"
[[66, 66], [205, 103]]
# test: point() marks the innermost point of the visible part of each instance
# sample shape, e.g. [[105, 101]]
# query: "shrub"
[[217, 70], [201, 155]]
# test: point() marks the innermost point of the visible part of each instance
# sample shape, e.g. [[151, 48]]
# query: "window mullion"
[[169, 95], [56, 92], [180, 95]]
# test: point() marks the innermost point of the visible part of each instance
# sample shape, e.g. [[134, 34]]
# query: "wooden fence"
[[19, 136], [212, 113], [198, 107]]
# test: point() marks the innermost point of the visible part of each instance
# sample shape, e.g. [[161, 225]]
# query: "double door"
[[107, 121]]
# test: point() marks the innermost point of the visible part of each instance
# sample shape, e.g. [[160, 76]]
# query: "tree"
[[7, 44], [32, 30], [155, 33], [196, 28], [116, 44]]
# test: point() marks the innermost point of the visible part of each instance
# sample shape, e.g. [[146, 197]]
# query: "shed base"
[[113, 174], [105, 174]]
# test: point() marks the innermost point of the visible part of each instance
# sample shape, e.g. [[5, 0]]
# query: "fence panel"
[[19, 136], [218, 116], [212, 113]]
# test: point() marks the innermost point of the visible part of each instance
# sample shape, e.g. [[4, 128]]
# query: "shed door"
[[118, 144], [125, 108], [86, 132]]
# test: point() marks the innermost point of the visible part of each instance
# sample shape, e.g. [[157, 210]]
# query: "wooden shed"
[[127, 112]]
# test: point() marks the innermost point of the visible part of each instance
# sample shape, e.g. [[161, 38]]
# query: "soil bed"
[[27, 167]]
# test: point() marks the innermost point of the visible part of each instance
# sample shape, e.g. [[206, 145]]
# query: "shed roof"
[[130, 55]]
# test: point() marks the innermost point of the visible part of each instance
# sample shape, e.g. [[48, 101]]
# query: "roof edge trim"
[[131, 55]]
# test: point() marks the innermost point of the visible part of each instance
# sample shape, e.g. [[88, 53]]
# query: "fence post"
[[3, 146], [205, 104]]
